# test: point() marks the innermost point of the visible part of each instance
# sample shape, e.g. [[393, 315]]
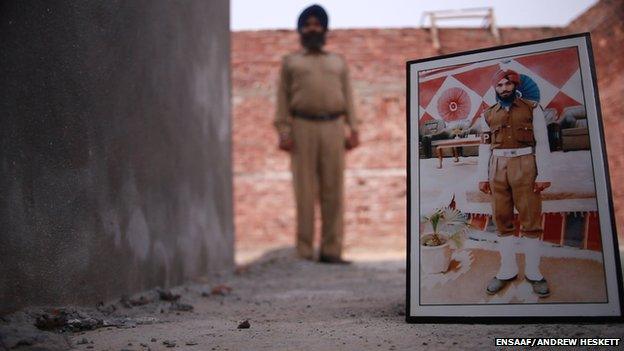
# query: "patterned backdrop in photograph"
[[459, 94]]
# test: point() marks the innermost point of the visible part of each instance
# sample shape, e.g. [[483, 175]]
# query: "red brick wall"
[[375, 213], [604, 21]]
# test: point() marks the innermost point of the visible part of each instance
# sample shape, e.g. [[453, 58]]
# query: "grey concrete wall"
[[115, 167]]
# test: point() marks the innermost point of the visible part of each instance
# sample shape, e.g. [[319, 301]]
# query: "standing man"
[[513, 161], [314, 102]]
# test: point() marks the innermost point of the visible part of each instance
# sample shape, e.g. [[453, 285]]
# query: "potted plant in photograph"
[[448, 225]]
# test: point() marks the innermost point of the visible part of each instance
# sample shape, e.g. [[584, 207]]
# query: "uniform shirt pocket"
[[524, 133]]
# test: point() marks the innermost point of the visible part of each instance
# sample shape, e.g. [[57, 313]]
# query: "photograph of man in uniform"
[[513, 168], [503, 167], [314, 103]]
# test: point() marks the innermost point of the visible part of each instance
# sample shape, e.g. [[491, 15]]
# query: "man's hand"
[[538, 187], [485, 187], [352, 141], [285, 143]]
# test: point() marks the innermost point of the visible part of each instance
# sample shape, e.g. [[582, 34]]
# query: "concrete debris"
[[28, 336], [53, 320], [106, 308], [169, 343], [179, 306], [80, 324], [82, 341], [38, 326], [140, 299], [66, 319], [144, 320], [242, 269], [167, 295], [221, 290]]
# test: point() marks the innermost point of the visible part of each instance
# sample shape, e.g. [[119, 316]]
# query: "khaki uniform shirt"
[[313, 84], [511, 129], [522, 125]]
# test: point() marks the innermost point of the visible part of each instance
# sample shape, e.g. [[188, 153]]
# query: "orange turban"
[[508, 74]]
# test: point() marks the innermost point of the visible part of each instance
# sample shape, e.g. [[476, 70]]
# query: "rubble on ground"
[[49, 328]]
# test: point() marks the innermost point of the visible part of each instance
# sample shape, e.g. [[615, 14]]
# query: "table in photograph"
[[454, 144]]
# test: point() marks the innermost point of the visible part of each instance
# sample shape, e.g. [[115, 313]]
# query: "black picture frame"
[[412, 266]]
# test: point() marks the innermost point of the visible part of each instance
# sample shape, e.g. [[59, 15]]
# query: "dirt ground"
[[292, 304]]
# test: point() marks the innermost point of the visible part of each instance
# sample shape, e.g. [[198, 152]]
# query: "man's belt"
[[513, 152], [322, 117]]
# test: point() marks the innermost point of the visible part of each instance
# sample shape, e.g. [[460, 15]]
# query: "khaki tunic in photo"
[[512, 178], [316, 84]]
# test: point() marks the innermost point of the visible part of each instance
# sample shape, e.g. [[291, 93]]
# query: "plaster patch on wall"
[[137, 234], [110, 222], [188, 238], [163, 258]]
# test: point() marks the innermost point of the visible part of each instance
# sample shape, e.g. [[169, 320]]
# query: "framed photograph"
[[510, 217]]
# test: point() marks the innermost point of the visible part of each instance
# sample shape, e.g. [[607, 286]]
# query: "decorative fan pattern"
[[460, 94], [528, 88], [454, 104]]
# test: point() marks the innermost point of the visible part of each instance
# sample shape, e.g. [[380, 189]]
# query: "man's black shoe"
[[332, 260], [495, 285], [540, 287]]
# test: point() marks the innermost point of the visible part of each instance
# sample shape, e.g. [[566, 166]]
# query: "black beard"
[[313, 41], [506, 101]]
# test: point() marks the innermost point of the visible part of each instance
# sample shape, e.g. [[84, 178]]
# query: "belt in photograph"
[[513, 152], [322, 117]]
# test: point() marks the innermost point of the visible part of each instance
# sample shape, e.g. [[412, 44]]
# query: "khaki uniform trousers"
[[317, 164], [511, 181]]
